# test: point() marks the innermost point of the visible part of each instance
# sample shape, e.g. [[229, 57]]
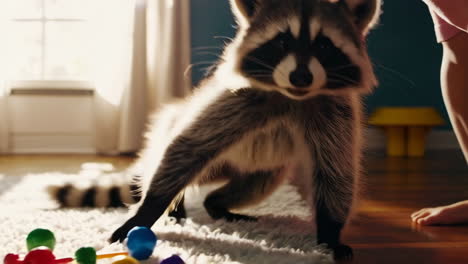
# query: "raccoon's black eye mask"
[[339, 68], [261, 62]]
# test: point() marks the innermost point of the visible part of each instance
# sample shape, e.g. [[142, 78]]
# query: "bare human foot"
[[444, 215]]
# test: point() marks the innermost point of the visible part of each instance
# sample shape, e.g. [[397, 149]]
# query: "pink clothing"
[[444, 31], [450, 17]]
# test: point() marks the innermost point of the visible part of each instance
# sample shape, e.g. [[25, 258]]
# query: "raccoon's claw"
[[178, 214], [342, 252], [121, 233]]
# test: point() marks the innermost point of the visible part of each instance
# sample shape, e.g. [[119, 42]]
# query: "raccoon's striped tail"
[[100, 193]]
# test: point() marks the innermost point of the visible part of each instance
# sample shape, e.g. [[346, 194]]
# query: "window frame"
[[55, 103], [44, 83], [51, 87]]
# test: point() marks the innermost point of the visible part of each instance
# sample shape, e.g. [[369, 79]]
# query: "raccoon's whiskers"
[[224, 37], [340, 78], [208, 47], [341, 67], [209, 53], [258, 71], [191, 66], [260, 76], [261, 63], [395, 72], [207, 69]]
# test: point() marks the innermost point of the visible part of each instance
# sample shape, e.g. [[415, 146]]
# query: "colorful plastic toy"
[[86, 255], [141, 242], [174, 259], [125, 260], [40, 238], [11, 259], [41, 255], [111, 255]]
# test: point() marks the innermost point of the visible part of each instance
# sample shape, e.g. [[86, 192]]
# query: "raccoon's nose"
[[301, 77]]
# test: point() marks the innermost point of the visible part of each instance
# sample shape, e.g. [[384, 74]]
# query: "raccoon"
[[283, 103]]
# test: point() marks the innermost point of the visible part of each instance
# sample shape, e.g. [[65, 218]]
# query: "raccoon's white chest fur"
[[279, 144]]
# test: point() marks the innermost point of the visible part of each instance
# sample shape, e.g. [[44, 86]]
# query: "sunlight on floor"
[[102, 166]]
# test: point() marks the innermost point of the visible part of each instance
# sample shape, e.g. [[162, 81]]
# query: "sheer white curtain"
[[142, 52], [3, 87], [4, 148], [168, 39]]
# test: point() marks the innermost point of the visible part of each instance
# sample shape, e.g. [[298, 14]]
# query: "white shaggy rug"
[[283, 234]]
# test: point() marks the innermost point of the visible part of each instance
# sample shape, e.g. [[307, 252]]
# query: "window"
[[60, 60], [48, 40]]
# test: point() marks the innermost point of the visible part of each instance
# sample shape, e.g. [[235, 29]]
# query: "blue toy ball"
[[141, 242], [173, 260]]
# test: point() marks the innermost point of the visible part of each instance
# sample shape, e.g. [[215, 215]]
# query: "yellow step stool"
[[406, 128]]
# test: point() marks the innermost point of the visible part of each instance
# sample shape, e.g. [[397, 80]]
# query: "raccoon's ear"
[[366, 13], [244, 10]]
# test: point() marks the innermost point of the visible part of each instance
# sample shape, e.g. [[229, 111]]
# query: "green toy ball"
[[40, 238], [86, 255]]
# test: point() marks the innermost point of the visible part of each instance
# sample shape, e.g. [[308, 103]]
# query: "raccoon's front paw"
[[342, 252], [121, 233]]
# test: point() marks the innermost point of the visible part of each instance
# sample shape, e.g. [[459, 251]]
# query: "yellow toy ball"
[[125, 260]]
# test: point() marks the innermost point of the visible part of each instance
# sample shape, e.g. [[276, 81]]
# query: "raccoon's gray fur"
[[284, 102]]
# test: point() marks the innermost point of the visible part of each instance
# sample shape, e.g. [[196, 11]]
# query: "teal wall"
[[407, 57], [211, 21], [403, 48]]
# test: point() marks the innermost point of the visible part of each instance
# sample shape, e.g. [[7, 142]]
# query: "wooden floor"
[[381, 232]]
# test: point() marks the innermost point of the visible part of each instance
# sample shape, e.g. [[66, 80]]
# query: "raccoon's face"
[[302, 48]]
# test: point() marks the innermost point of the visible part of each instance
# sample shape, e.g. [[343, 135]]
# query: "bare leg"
[[454, 80]]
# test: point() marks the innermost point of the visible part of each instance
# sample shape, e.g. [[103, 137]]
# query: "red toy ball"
[[40, 256], [11, 259]]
